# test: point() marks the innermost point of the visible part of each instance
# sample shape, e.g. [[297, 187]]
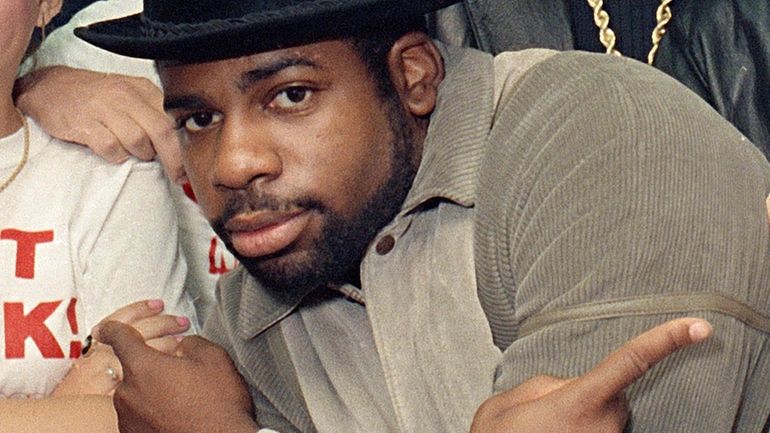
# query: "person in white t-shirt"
[[135, 125], [79, 239]]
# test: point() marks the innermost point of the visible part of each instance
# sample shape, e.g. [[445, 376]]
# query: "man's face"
[[294, 158]]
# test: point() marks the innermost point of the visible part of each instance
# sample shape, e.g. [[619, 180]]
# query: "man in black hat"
[[421, 227]]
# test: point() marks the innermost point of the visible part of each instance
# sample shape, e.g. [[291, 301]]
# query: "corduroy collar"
[[452, 154]]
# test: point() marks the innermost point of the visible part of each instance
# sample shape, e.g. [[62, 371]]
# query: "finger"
[[161, 325], [131, 136], [99, 139], [634, 358], [163, 136], [144, 103], [162, 131], [166, 345], [126, 343], [131, 95], [131, 313], [170, 156]]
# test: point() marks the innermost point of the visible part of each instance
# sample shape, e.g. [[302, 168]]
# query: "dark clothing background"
[[720, 49], [560, 24], [631, 20]]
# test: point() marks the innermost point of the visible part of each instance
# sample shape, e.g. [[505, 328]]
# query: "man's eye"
[[292, 97], [200, 121]]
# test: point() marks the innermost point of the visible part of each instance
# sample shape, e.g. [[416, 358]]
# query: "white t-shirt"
[[79, 238], [206, 254]]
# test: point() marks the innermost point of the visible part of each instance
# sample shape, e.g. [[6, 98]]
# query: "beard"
[[337, 252]]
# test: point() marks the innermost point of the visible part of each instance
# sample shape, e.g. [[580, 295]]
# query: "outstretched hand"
[[116, 116], [594, 402], [197, 389]]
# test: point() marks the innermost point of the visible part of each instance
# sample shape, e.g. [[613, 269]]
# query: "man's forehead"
[[183, 81]]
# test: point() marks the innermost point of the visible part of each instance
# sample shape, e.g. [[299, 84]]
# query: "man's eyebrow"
[[187, 102], [262, 72]]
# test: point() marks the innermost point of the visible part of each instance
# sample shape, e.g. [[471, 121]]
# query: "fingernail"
[[155, 304], [700, 330], [179, 338], [182, 321]]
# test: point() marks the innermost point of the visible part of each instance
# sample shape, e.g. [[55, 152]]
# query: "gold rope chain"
[[607, 36], [24, 155]]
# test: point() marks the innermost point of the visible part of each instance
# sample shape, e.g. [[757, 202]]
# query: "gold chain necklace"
[[24, 156], [607, 36]]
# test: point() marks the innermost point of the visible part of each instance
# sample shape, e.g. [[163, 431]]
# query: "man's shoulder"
[[511, 66], [570, 74]]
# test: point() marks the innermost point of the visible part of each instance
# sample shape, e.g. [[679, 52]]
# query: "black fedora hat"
[[202, 30]]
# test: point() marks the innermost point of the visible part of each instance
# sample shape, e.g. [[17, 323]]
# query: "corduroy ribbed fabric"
[[595, 179], [619, 183]]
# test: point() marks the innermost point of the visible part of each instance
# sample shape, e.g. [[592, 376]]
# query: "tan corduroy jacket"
[[606, 199]]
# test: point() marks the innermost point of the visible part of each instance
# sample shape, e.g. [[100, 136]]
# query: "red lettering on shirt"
[[188, 191], [18, 327], [75, 345], [26, 242], [214, 254]]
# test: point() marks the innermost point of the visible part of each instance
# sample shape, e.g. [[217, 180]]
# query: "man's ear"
[[47, 11], [416, 69]]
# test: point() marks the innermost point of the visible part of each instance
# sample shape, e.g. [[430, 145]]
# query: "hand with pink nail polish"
[[99, 371]]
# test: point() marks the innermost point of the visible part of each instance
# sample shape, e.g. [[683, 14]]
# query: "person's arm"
[[70, 414], [630, 202], [110, 103], [217, 399]]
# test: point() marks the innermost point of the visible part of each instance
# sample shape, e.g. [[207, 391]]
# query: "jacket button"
[[385, 245]]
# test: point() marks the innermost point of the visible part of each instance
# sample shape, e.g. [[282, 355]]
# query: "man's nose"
[[245, 155]]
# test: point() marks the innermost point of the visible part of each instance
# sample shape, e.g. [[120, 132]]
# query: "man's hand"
[[196, 390], [114, 115], [594, 402], [98, 371]]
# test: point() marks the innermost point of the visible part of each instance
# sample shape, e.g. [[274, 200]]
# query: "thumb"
[[126, 341]]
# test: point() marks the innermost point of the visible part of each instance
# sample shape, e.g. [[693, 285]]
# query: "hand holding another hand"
[[99, 371], [197, 389], [594, 402]]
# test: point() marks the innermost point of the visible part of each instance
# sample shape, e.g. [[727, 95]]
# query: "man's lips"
[[262, 233]]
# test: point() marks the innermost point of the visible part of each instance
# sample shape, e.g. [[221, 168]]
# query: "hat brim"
[[220, 39]]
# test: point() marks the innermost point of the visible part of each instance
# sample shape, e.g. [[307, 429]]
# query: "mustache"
[[256, 200]]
